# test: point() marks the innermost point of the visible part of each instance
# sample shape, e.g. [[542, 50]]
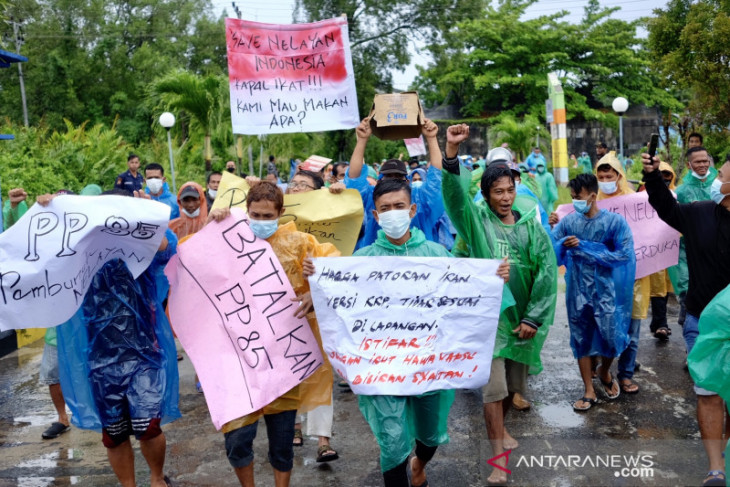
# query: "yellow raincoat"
[[292, 247], [642, 287]]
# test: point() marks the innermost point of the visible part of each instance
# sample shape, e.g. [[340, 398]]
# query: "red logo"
[[492, 461]]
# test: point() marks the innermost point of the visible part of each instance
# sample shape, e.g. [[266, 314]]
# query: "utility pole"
[[19, 41]]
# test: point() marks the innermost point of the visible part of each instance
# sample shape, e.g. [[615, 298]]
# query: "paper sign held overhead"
[[397, 116], [416, 147], [290, 78], [314, 163]]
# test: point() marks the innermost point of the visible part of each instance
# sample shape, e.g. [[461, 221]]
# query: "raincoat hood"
[[419, 171], [622, 184], [184, 225], [663, 166]]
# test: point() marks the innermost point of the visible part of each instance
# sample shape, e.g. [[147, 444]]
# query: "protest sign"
[[656, 244], [290, 78], [333, 218], [51, 254], [236, 321], [416, 147], [396, 116], [421, 325]]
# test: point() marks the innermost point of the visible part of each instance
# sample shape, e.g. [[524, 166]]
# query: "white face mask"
[[193, 214], [155, 185], [715, 194], [395, 223], [212, 193], [694, 173], [608, 187]]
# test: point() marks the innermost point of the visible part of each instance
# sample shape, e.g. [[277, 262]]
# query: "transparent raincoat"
[[120, 340], [292, 247], [599, 277], [533, 270], [397, 421]]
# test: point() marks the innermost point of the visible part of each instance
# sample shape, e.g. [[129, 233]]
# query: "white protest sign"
[[415, 147], [408, 325], [48, 258], [290, 78]]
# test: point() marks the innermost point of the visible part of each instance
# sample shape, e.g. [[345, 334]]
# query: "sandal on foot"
[[608, 387], [326, 453], [298, 438], [167, 480], [56, 429], [629, 387], [662, 334], [588, 400], [410, 474], [714, 478]]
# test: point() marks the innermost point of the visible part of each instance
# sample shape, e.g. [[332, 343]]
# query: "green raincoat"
[[548, 189], [475, 186], [397, 421], [709, 360], [691, 190], [533, 269], [585, 165]]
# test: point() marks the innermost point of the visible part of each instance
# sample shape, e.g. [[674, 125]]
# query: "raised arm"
[[660, 197], [430, 130], [363, 133]]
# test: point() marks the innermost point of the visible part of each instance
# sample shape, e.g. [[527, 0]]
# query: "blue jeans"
[[279, 427], [690, 331], [627, 360]]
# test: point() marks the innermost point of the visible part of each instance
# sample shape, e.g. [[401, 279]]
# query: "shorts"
[[128, 403], [280, 429], [49, 366], [505, 377]]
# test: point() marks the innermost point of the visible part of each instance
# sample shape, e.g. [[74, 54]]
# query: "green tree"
[[204, 98], [519, 135], [499, 64]]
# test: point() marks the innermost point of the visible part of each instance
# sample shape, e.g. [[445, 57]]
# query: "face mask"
[[517, 183], [231, 169], [581, 206], [155, 185], [416, 184], [395, 223], [694, 173], [212, 192], [263, 229], [715, 193], [609, 187], [541, 169], [667, 182], [193, 214]]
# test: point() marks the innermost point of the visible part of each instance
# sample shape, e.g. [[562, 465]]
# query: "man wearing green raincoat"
[[548, 188], [505, 227], [584, 163], [694, 187], [400, 421]]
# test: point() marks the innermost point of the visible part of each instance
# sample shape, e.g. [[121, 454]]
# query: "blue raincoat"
[[600, 282], [430, 206], [120, 343]]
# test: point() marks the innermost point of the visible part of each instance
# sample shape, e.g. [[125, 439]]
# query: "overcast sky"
[[281, 12]]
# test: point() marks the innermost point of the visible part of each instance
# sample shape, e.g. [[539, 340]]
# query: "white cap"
[[499, 154]]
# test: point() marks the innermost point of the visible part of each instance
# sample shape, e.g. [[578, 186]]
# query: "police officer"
[[131, 180]]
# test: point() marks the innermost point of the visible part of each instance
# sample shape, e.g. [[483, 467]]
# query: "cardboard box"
[[397, 116]]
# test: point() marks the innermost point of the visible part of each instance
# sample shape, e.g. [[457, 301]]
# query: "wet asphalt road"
[[650, 438]]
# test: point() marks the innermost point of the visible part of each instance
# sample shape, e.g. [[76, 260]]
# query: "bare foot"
[[508, 442], [497, 477], [418, 472]]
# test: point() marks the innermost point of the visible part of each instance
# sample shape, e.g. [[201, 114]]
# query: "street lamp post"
[[620, 105], [167, 120], [538, 136]]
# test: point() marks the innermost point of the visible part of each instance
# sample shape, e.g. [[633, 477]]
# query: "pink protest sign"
[[231, 307], [416, 147], [656, 244]]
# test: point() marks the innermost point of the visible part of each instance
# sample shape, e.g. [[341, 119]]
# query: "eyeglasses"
[[299, 185]]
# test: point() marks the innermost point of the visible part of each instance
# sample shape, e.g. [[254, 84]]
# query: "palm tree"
[[199, 96], [519, 135]]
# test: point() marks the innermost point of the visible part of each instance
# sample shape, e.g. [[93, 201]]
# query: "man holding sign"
[[399, 421], [505, 227]]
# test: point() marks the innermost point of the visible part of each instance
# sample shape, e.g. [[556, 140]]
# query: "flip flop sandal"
[[662, 334], [590, 402], [608, 386], [716, 479], [630, 387], [298, 436], [56, 430], [321, 457], [408, 472], [167, 480]]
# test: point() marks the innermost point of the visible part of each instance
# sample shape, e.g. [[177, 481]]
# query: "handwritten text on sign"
[[421, 325], [290, 78], [330, 218], [236, 321], [48, 258], [656, 244]]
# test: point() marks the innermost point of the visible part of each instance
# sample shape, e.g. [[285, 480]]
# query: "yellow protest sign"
[[333, 218]]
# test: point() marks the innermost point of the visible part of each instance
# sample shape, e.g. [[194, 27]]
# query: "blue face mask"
[[715, 193], [581, 206], [263, 229]]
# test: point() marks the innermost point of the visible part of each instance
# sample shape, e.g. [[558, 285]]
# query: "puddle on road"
[[46, 481], [560, 416], [50, 460], [35, 420]]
